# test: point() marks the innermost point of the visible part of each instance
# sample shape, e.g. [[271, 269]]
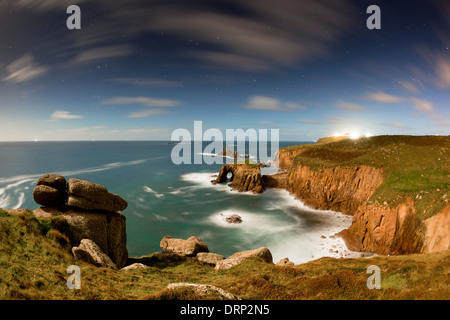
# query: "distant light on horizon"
[[355, 135]]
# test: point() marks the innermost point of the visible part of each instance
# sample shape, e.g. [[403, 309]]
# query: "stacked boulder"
[[50, 190], [98, 229], [179, 249]]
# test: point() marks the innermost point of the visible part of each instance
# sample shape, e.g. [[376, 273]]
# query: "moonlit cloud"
[[309, 121], [146, 82], [342, 105], [397, 125], [384, 97], [409, 86], [422, 105], [101, 53], [145, 101], [24, 69], [272, 104], [64, 115], [267, 33], [41, 5], [145, 113]]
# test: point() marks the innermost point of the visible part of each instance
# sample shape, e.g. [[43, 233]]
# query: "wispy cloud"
[[409, 86], [422, 105], [418, 104], [384, 97], [41, 5], [99, 53], [146, 82], [24, 69], [309, 121], [265, 35], [145, 113], [64, 115], [342, 105], [145, 101], [272, 104]]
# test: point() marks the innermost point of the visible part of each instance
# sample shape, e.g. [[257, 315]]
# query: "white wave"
[[252, 222], [20, 201], [150, 190], [160, 218], [17, 180], [5, 200], [203, 180]]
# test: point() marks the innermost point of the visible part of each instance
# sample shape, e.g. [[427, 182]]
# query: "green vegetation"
[[33, 265], [415, 166], [248, 162]]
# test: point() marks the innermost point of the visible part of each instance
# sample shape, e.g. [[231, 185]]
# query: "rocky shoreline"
[[97, 228], [376, 228]]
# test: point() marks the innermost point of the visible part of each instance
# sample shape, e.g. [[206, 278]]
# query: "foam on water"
[[150, 190], [298, 232]]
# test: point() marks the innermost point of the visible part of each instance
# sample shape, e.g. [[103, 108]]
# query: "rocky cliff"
[[377, 227]]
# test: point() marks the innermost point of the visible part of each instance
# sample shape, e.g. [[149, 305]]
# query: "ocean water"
[[176, 200]]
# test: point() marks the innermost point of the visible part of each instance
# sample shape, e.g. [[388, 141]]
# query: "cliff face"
[[375, 228], [339, 189]]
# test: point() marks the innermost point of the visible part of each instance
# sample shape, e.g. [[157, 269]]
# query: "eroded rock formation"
[[91, 212], [243, 177]]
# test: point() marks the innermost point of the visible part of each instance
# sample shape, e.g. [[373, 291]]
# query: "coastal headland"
[[395, 187]]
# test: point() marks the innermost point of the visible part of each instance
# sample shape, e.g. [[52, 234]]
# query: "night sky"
[[137, 70]]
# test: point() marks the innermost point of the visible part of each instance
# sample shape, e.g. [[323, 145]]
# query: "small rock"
[[234, 219], [205, 290], [135, 266], [209, 258], [189, 247], [239, 257], [88, 251], [284, 263]]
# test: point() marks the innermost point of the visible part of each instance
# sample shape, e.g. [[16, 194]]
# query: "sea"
[[178, 199]]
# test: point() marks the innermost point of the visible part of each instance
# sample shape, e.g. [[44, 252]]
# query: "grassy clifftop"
[[34, 256], [415, 166]]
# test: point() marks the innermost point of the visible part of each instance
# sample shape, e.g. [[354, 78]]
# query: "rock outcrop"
[[50, 190], [234, 218], [90, 210], [285, 263], [88, 251], [189, 247], [209, 258], [106, 229], [90, 196], [204, 291], [385, 230], [239, 257], [243, 177], [437, 235]]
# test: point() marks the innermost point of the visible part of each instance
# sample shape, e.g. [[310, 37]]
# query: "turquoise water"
[[177, 200]]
